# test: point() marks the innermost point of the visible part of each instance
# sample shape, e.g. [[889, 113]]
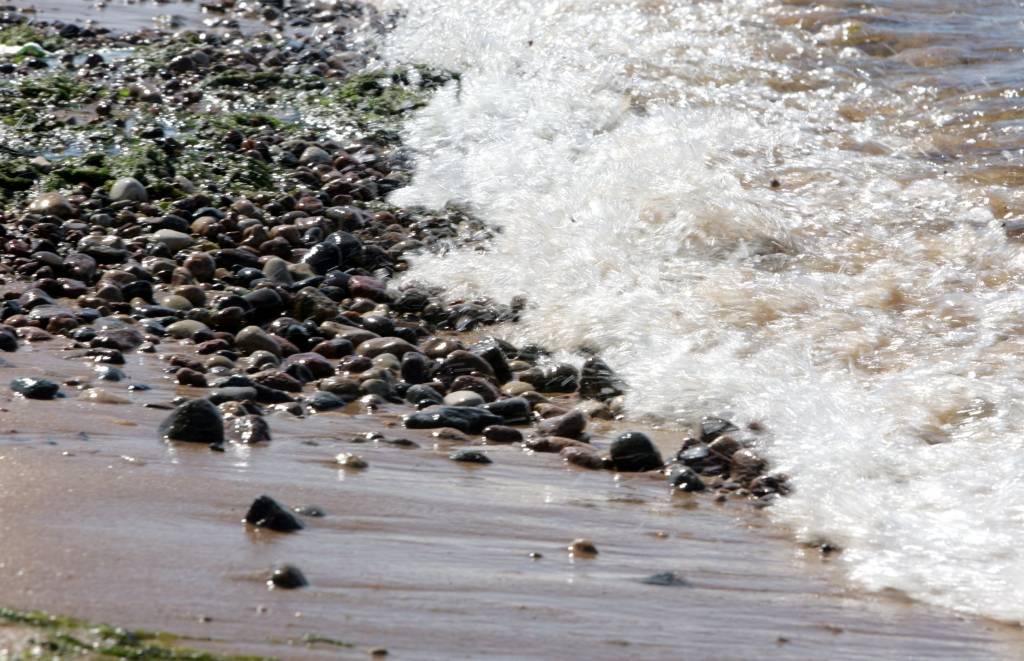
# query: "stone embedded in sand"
[[634, 452], [326, 401], [251, 429], [582, 548], [470, 457], [502, 434], [350, 460], [569, 425], [465, 419], [128, 189], [195, 421], [101, 396], [287, 577], [514, 410], [31, 388], [686, 479], [265, 512], [584, 457], [666, 579]]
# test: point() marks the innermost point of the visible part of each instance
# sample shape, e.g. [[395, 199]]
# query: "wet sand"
[[417, 554]]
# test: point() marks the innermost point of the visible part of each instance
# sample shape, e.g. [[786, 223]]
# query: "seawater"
[[785, 212]]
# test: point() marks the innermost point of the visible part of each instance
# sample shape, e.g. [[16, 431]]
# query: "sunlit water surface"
[[866, 308]]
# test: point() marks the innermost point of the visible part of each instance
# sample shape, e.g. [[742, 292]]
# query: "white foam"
[[868, 313]]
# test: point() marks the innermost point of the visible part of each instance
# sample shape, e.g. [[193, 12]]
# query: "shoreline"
[[244, 471]]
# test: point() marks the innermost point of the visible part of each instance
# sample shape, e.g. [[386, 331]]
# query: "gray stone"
[[128, 189]]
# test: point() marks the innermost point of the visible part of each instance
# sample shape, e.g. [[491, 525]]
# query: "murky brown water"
[[417, 554]]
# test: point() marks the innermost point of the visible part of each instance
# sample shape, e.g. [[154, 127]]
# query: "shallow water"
[[418, 554], [784, 212]]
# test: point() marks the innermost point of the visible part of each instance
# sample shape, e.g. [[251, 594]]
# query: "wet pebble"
[[634, 452], [470, 457], [265, 512], [195, 421], [32, 388], [287, 577]]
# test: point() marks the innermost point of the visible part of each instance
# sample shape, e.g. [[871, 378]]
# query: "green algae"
[[58, 637]]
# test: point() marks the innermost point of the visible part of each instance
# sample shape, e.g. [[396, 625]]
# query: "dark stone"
[[109, 373], [470, 457], [288, 577], [420, 393], [684, 478], [323, 257], [251, 429], [31, 388], [465, 419], [570, 425], [195, 421], [666, 579], [711, 428], [325, 401], [597, 381], [459, 363], [552, 378], [415, 368], [634, 452], [514, 410], [265, 512], [317, 365], [491, 352], [502, 434], [124, 339]]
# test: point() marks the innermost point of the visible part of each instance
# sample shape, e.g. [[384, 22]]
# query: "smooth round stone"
[[52, 204], [374, 347], [378, 387], [463, 398], [174, 240], [186, 329], [218, 361], [516, 388], [570, 425], [128, 189], [633, 452], [195, 421], [287, 577], [32, 388], [253, 338], [174, 301], [502, 434], [387, 361], [422, 393], [314, 155]]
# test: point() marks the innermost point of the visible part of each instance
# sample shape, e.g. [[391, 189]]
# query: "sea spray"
[[732, 212]]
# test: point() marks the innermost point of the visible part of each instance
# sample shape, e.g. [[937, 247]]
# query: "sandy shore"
[[417, 554]]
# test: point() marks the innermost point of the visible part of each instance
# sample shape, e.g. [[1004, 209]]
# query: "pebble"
[[465, 419], [251, 429], [128, 189], [463, 398], [634, 452], [32, 388], [502, 434], [470, 457], [350, 460], [569, 425], [265, 512], [582, 548], [287, 577], [195, 421]]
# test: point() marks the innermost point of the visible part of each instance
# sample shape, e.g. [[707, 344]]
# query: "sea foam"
[[867, 311]]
